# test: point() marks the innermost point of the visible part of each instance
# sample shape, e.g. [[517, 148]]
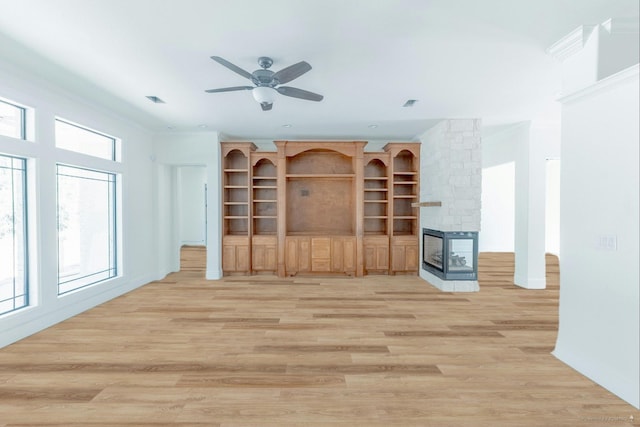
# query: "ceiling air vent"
[[410, 102], [155, 99]]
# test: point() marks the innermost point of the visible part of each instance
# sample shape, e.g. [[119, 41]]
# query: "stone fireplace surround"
[[451, 176]]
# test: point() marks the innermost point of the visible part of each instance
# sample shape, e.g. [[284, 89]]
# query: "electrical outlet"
[[607, 242]]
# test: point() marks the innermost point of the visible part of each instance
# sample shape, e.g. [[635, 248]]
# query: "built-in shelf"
[[425, 204], [320, 176], [286, 213]]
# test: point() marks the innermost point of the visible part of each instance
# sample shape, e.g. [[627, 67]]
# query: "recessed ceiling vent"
[[410, 102], [155, 99]]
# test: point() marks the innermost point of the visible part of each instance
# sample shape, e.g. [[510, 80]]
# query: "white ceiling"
[[458, 58]]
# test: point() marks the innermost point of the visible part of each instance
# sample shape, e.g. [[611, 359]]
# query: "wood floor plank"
[[309, 351]]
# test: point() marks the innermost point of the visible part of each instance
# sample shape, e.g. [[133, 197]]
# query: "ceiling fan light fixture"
[[264, 94]]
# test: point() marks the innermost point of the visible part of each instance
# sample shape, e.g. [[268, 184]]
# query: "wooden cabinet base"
[[404, 255], [264, 254], [376, 255], [235, 254], [320, 255]]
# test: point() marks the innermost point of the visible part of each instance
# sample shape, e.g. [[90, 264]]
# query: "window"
[[85, 141], [13, 235], [12, 120], [86, 227]]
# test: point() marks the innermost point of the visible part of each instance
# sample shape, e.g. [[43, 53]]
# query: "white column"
[[537, 143]]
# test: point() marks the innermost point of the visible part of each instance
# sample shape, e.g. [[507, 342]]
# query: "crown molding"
[[622, 25], [600, 85], [571, 43]]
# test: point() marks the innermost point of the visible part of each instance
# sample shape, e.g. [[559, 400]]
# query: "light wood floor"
[[263, 351]]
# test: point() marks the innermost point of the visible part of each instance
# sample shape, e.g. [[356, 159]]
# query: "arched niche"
[[375, 168], [264, 168], [320, 161], [404, 161], [236, 159]]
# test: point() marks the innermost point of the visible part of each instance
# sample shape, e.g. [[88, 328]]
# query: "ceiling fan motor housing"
[[264, 78]]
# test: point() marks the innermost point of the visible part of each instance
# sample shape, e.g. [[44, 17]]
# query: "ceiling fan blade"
[[232, 67], [299, 93], [266, 106], [229, 89], [292, 72]]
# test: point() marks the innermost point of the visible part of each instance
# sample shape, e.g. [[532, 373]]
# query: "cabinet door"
[[235, 256], [304, 254], [411, 257], [337, 255], [370, 258], [297, 255], [321, 254], [258, 257], [228, 258], [376, 253], [263, 253], [264, 258], [271, 258], [404, 257], [382, 257], [242, 258], [349, 255], [398, 258]]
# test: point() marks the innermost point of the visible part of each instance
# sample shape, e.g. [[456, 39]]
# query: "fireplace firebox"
[[450, 255]]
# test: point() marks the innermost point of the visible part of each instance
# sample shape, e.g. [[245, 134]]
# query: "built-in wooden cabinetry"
[[325, 207], [405, 176]]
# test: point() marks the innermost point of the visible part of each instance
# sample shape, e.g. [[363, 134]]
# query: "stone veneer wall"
[[451, 173]]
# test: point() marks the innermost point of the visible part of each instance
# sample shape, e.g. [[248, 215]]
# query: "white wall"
[[137, 202], [498, 189], [167, 226], [191, 195], [173, 151], [599, 332], [498, 209], [552, 207]]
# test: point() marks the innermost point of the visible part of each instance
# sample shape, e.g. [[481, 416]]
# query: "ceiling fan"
[[267, 83]]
